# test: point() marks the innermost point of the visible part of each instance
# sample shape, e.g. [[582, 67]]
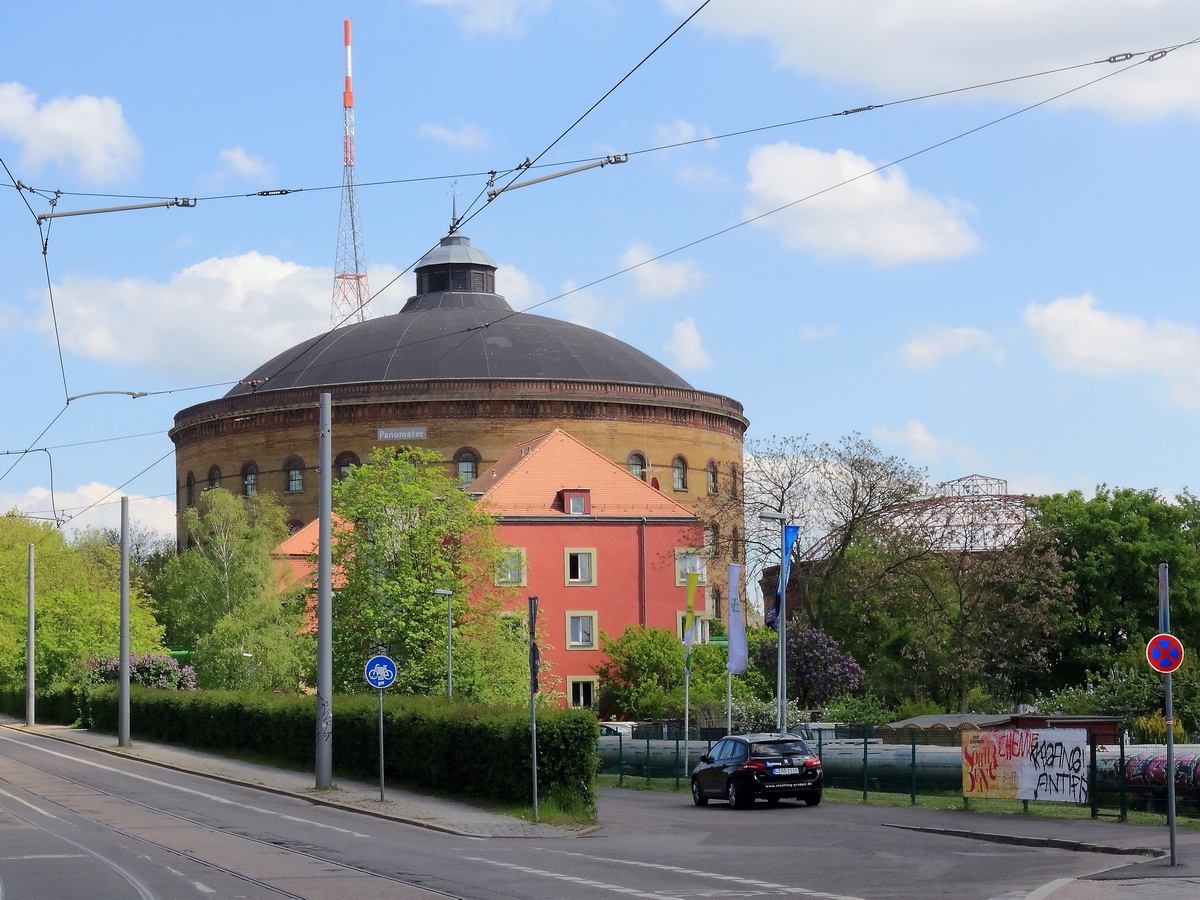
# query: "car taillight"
[[812, 763], [752, 764]]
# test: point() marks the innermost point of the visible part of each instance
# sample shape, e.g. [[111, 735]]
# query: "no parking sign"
[[1164, 653]]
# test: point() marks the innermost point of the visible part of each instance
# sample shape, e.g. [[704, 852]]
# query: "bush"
[[154, 670]]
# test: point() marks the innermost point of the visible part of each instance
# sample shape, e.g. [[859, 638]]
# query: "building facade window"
[[712, 477], [293, 475], [343, 464], [580, 565], [214, 477], [712, 539], [689, 559], [680, 469], [576, 501], [581, 630], [249, 479], [735, 484], [637, 465], [511, 568], [700, 629], [190, 491], [582, 691], [466, 462]]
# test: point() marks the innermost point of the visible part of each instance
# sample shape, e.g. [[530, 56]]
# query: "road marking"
[[36, 809], [43, 856], [751, 882], [186, 790], [574, 879], [202, 888]]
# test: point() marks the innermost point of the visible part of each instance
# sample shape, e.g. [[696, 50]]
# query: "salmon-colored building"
[[600, 549]]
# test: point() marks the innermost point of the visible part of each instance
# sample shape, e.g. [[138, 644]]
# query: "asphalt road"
[[76, 823]]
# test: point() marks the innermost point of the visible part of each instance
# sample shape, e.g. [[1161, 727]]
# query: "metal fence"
[[1120, 776]]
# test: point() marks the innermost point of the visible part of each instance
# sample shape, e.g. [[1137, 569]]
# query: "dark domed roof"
[[458, 333]]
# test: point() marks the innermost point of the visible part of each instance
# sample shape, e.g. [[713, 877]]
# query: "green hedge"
[[55, 706], [430, 744]]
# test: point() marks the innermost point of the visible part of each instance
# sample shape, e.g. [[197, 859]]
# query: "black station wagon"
[[743, 768]]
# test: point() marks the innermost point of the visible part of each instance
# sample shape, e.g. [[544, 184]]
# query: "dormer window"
[[577, 502]]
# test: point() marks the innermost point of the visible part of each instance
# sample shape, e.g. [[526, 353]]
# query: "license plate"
[[787, 770]]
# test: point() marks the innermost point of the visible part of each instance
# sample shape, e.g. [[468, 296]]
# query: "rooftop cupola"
[[454, 266]]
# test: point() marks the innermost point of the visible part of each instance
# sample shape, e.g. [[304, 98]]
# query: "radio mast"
[[351, 292]]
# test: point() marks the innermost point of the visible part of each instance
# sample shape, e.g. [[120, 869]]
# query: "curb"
[[1055, 843]]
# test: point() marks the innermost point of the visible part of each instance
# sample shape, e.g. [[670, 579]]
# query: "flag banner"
[[790, 533], [689, 619], [737, 625]]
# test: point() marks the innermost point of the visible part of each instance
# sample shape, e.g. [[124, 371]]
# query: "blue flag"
[[790, 533]]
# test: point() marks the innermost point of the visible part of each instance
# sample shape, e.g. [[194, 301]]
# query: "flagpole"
[[736, 647], [728, 701]]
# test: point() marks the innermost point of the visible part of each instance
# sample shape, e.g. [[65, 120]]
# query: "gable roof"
[[529, 478]]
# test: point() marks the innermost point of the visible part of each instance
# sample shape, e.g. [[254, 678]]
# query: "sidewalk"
[[436, 813], [1123, 868]]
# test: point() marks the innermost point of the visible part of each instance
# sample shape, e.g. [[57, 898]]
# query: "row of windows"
[[580, 566], [638, 466]]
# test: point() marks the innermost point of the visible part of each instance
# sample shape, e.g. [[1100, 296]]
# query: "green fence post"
[[646, 762], [620, 760], [676, 762], [1095, 801], [912, 790], [1121, 779]]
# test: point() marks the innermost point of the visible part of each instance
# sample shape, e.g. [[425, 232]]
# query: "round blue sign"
[[1164, 653], [380, 672]]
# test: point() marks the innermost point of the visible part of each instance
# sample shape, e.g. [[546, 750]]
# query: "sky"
[[964, 230]]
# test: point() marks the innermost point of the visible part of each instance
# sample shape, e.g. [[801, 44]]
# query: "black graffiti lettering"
[[1061, 786]]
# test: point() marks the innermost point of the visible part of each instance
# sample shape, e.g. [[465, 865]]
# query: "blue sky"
[[997, 280]]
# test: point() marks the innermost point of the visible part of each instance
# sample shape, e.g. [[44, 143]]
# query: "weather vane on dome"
[[454, 206]]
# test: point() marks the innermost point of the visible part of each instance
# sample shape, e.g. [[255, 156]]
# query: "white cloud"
[[236, 163], [1076, 336], [927, 352], [686, 347], [811, 333], [462, 134], [215, 319], [93, 505], [85, 134], [922, 445], [657, 279], [679, 132], [896, 49], [850, 210], [490, 16]]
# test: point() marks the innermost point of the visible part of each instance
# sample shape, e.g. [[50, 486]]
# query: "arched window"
[[466, 461], [294, 525], [712, 477], [249, 479], [190, 493], [637, 465], [293, 475], [735, 483], [712, 536], [214, 477], [343, 464], [680, 468], [735, 545]]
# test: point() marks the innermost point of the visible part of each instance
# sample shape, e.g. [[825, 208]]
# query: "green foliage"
[[1153, 729], [410, 530], [863, 708], [263, 646], [1111, 545], [429, 744], [227, 563], [77, 601], [155, 670], [643, 667]]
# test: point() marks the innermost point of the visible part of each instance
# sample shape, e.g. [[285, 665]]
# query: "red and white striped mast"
[[351, 292]]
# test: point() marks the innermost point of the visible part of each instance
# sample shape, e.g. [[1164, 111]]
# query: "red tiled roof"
[[527, 481]]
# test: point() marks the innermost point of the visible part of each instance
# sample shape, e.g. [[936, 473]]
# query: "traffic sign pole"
[[380, 672], [1164, 614]]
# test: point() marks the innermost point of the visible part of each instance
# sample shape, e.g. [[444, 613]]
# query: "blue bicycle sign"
[[380, 672]]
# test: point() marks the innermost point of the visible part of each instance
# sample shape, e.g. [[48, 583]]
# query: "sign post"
[[1165, 654], [380, 673], [535, 665]]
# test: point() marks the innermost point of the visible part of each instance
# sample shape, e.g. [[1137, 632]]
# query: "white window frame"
[[583, 679], [701, 625], [684, 557], [570, 616]]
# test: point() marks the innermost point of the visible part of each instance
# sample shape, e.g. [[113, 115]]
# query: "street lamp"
[[781, 618], [448, 594]]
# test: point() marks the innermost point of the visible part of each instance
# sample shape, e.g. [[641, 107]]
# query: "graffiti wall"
[[1026, 764]]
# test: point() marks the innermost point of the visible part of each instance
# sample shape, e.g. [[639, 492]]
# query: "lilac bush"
[[817, 669], [156, 670]]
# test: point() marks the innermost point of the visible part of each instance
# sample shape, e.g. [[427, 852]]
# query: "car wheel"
[[734, 794], [813, 799], [696, 797]]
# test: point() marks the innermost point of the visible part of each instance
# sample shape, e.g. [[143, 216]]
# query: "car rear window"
[[780, 748]]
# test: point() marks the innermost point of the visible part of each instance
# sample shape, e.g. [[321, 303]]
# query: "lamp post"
[[781, 618], [449, 595]]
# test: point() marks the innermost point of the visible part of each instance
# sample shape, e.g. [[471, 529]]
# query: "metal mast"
[[351, 293]]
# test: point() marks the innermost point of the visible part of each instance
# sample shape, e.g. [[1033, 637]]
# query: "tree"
[[643, 667], [1111, 546], [817, 668], [77, 599], [409, 529], [227, 563]]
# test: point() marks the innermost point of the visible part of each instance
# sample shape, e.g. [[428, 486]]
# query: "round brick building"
[[459, 372]]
